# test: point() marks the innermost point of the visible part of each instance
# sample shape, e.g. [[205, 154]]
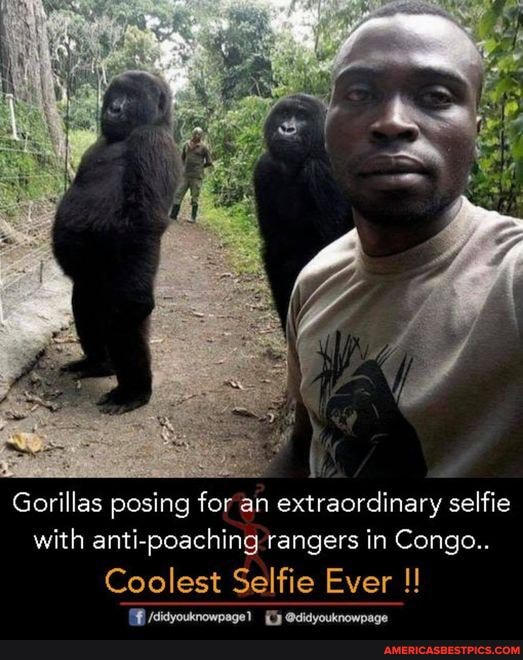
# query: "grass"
[[29, 169], [237, 228], [80, 141]]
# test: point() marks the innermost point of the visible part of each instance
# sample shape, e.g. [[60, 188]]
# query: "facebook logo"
[[136, 616]]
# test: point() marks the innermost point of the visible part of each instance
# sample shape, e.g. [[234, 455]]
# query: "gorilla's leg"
[[128, 346], [89, 316]]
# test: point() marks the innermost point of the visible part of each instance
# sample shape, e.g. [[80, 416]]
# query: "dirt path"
[[219, 371]]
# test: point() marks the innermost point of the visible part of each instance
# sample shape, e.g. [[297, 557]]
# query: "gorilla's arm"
[[335, 215], [151, 174], [267, 183]]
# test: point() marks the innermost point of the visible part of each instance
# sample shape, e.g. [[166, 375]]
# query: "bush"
[[237, 228], [237, 143], [29, 168], [79, 142]]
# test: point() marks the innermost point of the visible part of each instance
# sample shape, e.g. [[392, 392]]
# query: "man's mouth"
[[384, 165]]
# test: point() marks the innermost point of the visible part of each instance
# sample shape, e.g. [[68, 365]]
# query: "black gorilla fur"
[[300, 209], [107, 234]]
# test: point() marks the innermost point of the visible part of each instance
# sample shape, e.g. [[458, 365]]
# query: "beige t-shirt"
[[412, 364]]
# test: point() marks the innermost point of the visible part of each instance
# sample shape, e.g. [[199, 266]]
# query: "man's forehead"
[[403, 36]]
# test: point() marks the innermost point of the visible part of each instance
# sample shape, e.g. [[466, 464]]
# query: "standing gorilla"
[[107, 234], [300, 209]]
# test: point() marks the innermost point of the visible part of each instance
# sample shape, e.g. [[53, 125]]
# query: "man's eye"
[[358, 95], [437, 98]]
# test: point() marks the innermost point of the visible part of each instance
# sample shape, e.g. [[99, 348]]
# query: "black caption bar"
[[240, 559]]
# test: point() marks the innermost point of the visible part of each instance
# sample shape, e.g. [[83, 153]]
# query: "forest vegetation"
[[228, 63]]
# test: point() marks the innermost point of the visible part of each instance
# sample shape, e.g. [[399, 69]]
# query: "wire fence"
[[32, 180]]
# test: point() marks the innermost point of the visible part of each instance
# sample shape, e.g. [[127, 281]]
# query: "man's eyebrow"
[[369, 71]]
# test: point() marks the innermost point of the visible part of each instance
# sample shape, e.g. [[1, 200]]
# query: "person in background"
[[196, 157]]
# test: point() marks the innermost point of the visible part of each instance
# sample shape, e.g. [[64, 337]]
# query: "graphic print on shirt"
[[365, 433]]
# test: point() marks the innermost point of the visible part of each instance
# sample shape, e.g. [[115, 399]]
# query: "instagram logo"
[[273, 618]]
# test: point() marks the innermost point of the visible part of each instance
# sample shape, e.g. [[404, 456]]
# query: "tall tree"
[[25, 63]]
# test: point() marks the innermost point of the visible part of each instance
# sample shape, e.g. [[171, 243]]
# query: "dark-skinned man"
[[404, 336]]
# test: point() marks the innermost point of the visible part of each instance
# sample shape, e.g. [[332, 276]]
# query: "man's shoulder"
[[495, 217], [504, 232], [331, 260]]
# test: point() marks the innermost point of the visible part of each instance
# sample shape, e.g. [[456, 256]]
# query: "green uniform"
[[195, 158]]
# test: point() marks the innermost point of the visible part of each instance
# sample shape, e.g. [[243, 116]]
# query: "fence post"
[[11, 103], [2, 319], [67, 119]]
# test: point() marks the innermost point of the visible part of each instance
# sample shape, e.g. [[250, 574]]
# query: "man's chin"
[[400, 210]]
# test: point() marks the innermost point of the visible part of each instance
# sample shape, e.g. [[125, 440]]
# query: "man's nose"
[[394, 122]]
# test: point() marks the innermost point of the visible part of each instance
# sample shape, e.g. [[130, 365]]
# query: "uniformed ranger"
[[196, 157]]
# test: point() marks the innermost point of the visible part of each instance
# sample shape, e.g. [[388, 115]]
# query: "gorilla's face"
[[294, 128], [133, 99]]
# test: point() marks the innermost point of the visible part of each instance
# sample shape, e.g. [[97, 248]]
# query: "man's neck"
[[382, 241]]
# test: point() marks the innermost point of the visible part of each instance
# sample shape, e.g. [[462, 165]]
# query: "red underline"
[[268, 603]]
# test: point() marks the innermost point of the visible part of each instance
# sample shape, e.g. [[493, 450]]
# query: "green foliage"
[[140, 50], [79, 142], [165, 16], [237, 228], [84, 109], [188, 113], [297, 69], [231, 57], [237, 143], [498, 176], [240, 44], [29, 168]]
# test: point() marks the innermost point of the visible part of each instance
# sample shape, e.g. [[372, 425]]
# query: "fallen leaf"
[[235, 384], [243, 412], [29, 443], [32, 398], [68, 339], [167, 428], [15, 414], [166, 422]]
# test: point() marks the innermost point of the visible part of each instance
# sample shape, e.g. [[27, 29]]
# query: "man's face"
[[401, 125]]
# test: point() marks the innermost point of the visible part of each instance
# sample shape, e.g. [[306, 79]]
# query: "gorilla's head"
[[135, 98], [294, 128]]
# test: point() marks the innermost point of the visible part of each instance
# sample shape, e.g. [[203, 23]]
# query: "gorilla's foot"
[[118, 401], [88, 368]]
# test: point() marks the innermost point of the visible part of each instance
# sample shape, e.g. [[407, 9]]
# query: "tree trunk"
[[25, 64]]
